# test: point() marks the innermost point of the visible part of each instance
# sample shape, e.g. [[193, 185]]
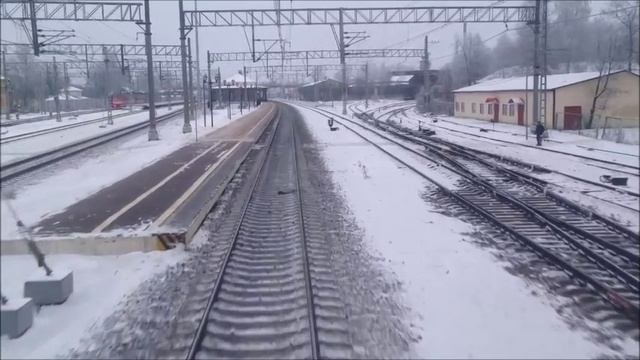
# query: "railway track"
[[599, 253], [30, 134], [540, 169], [271, 297], [26, 165], [602, 163]]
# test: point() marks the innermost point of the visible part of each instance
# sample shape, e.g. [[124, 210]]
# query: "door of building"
[[572, 117], [496, 112], [520, 114]]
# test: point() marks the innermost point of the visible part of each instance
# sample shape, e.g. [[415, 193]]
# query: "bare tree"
[[604, 70], [627, 13]]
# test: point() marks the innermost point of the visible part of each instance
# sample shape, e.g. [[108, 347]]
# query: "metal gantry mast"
[[186, 127], [353, 16], [97, 49], [306, 55], [66, 10], [153, 132]]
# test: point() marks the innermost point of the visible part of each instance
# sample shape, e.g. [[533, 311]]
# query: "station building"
[[322, 90], [569, 100], [236, 88]]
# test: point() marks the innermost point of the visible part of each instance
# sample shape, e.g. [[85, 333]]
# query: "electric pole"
[[536, 64], [56, 98], [344, 67], [153, 131], [210, 90], [197, 62], [107, 88], [219, 89], [192, 101], [366, 85], [66, 86], [7, 111], [426, 84], [34, 28], [186, 127]]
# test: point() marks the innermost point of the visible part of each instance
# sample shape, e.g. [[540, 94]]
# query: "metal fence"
[[619, 130]]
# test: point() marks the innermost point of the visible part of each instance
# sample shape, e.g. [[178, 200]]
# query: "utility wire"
[[549, 24]]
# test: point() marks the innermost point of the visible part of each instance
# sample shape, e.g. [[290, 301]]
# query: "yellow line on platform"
[[144, 195], [194, 186], [162, 218]]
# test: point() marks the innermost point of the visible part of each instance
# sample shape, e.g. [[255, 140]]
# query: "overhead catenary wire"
[[549, 25]]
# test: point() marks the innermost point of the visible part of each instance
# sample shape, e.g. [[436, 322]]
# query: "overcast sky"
[[164, 17]]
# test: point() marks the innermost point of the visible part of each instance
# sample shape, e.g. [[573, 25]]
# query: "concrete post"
[[192, 103], [153, 131], [344, 66], [56, 97], [186, 127]]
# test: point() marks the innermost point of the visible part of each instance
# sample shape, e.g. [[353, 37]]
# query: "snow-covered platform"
[[157, 206]]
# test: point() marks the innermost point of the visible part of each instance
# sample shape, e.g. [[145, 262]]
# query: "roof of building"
[[328, 80], [401, 78], [526, 82], [239, 79]]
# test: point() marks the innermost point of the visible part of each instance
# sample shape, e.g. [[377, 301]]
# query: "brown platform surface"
[[154, 194]]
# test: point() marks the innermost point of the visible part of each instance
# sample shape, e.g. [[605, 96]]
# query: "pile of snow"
[[100, 283]]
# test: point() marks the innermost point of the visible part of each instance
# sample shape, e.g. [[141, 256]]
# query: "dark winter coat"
[[539, 129]]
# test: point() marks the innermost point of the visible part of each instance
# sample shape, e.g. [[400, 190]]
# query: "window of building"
[[462, 106], [457, 106], [504, 109], [490, 109], [481, 108], [473, 108], [511, 109]]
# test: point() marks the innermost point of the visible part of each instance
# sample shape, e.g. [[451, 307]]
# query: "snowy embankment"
[[52, 123], [42, 143], [42, 195], [567, 170], [464, 302], [100, 283]]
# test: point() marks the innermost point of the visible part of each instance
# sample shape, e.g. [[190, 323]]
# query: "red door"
[[520, 114], [496, 109], [572, 116]]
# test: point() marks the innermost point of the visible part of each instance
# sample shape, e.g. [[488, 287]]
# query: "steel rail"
[[538, 184], [313, 331], [553, 222], [40, 160], [556, 197], [215, 291], [637, 168], [535, 167], [612, 296], [30, 134], [202, 324]]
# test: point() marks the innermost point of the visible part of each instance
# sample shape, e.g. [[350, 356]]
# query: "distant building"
[[233, 90], [569, 100], [323, 90]]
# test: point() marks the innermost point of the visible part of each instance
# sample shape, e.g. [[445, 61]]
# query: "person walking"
[[539, 131]]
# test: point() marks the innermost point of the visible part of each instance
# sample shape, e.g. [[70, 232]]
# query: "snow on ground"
[[35, 200], [52, 123], [100, 283], [34, 145], [465, 304], [24, 116], [558, 140], [629, 136], [601, 200]]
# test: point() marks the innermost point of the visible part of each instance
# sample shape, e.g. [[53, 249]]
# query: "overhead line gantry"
[[355, 16]]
